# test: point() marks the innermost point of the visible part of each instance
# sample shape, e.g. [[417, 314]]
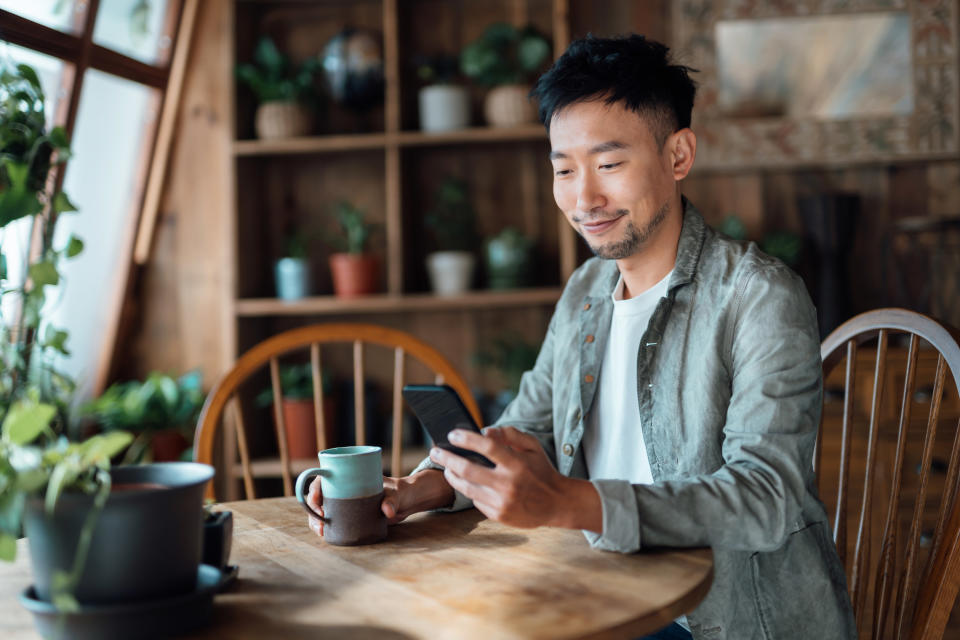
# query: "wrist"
[[583, 508], [431, 490]]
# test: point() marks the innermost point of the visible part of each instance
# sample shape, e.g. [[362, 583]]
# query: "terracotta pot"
[[300, 429], [167, 445], [509, 106], [353, 274], [282, 120]]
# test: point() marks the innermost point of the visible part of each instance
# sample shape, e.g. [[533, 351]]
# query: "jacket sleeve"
[[753, 501]]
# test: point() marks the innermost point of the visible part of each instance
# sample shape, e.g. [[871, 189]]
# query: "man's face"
[[611, 179]]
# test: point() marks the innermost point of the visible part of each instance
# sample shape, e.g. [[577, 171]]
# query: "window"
[[105, 67]]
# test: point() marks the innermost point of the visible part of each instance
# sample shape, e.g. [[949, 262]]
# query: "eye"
[[610, 165], [562, 172]]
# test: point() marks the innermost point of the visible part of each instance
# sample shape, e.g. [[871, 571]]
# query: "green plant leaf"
[[17, 200], [26, 420], [58, 138], [8, 547], [28, 74], [62, 204], [63, 475], [43, 273], [106, 446], [269, 57], [56, 339], [11, 511], [74, 247]]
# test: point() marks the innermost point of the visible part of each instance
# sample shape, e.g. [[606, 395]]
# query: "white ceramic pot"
[[509, 106], [444, 107], [293, 278], [282, 120], [451, 272]]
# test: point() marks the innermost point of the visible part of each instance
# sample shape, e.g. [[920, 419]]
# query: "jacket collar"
[[692, 236]]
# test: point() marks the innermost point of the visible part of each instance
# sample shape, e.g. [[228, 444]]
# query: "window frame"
[[80, 53]]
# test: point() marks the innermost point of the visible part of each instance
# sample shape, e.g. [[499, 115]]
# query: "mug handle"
[[301, 498]]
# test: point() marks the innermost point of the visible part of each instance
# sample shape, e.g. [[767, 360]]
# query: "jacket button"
[[568, 449], [589, 339], [588, 378], [586, 307]]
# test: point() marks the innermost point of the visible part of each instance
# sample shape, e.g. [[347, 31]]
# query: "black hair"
[[629, 69]]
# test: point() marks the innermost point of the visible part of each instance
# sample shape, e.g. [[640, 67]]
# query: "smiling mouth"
[[600, 226]]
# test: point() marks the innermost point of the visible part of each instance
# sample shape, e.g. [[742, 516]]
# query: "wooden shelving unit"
[[391, 169]]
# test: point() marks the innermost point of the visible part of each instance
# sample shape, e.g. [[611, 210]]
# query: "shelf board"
[[410, 457], [385, 303], [359, 142], [315, 144], [473, 134]]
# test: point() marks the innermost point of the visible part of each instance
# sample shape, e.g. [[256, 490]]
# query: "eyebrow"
[[603, 147]]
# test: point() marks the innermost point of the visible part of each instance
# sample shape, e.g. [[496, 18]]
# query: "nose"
[[589, 195]]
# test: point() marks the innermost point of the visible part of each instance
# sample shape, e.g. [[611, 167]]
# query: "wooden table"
[[437, 576]]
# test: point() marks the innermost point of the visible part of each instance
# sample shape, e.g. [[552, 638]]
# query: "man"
[[676, 397]]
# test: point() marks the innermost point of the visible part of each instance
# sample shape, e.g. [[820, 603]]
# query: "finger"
[[462, 467], [315, 525], [490, 448], [471, 490], [314, 495], [390, 506]]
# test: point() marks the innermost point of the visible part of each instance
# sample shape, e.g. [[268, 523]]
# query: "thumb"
[[390, 505]]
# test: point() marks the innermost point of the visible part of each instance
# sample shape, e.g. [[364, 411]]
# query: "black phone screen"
[[440, 410]]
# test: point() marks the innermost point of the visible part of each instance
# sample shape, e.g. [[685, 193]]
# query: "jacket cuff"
[[460, 501], [621, 518]]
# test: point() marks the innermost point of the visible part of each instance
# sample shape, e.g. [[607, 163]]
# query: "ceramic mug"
[[351, 480]]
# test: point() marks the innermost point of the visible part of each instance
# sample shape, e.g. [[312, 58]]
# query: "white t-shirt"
[[613, 442]]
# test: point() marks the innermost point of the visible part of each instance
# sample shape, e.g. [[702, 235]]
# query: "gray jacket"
[[729, 395]]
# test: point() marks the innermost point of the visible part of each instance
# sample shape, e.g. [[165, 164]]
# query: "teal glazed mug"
[[351, 480]]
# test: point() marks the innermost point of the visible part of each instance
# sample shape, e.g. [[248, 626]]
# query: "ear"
[[682, 146]]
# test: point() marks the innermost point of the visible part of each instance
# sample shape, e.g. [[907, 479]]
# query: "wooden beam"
[[161, 151]]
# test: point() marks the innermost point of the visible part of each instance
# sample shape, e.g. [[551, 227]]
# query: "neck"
[[656, 257]]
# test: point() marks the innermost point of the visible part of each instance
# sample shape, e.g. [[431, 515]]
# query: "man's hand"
[[402, 497], [524, 490]]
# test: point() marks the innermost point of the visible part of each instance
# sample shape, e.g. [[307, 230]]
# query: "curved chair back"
[[897, 425], [267, 354]]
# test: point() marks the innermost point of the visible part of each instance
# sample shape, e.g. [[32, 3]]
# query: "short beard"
[[634, 238]]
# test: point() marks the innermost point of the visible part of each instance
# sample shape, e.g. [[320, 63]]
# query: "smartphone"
[[440, 410]]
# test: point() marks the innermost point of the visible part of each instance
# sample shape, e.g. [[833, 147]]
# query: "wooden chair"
[[903, 565], [268, 352]]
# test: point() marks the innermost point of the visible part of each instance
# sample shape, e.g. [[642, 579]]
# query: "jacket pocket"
[[800, 589]]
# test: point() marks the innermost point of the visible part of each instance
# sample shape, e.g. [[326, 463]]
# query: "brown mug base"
[[353, 521]]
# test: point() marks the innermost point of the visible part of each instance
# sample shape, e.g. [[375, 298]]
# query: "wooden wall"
[[182, 312]]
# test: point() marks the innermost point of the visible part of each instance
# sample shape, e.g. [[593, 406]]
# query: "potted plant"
[[285, 92], [444, 104], [354, 270], [64, 494], [509, 259], [452, 224], [505, 58], [161, 410], [296, 383], [292, 271]]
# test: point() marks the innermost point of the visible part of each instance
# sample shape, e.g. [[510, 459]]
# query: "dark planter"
[[146, 543], [217, 539]]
